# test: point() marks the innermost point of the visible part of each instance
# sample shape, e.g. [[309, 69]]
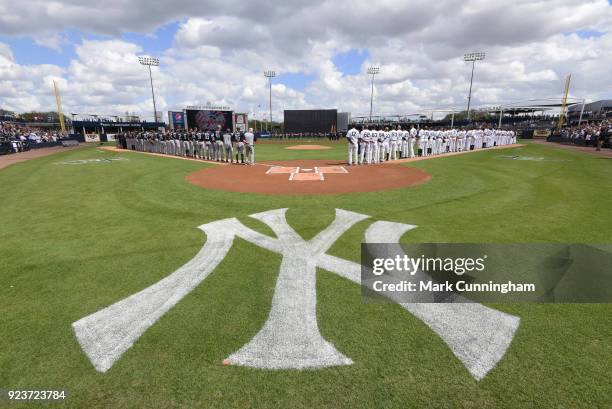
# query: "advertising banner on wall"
[[241, 122], [541, 133], [92, 137], [176, 119]]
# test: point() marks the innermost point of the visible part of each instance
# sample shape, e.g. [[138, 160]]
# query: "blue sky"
[[588, 33], [349, 63], [27, 52], [223, 49]]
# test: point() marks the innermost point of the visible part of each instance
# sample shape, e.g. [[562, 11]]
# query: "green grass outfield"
[[77, 238]]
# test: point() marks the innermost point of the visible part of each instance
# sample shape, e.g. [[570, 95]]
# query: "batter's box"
[[283, 169], [306, 176], [332, 169]]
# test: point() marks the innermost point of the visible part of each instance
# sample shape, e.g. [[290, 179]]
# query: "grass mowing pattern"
[[76, 238]]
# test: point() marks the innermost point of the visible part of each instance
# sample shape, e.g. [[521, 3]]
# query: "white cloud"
[[220, 51], [53, 41]]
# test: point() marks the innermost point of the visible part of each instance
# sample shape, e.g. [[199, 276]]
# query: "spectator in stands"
[[587, 134], [21, 136]]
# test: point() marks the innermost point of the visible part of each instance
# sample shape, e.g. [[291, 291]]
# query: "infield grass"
[[77, 238]]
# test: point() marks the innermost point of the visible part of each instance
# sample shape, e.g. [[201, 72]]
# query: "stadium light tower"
[[150, 61], [472, 57], [269, 75], [372, 71]]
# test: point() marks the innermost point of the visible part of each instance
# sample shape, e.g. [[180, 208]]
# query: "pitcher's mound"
[[307, 177], [308, 147]]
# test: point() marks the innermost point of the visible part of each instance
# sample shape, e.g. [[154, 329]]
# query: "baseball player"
[[393, 144], [422, 142], [352, 136], [239, 141], [208, 150], [405, 139], [185, 151], [375, 150], [218, 144], [198, 144], [364, 145], [249, 142], [229, 149], [412, 142], [384, 150]]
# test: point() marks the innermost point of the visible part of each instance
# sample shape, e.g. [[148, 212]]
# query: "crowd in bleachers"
[[16, 137], [596, 134]]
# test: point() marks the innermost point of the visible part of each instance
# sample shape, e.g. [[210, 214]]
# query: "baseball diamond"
[[267, 289], [306, 205]]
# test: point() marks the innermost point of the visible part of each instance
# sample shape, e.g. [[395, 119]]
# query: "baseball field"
[[84, 229]]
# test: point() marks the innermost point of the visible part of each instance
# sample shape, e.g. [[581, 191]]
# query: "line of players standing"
[[380, 144], [215, 145]]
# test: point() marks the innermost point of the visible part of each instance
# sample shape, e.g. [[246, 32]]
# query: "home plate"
[[303, 174]]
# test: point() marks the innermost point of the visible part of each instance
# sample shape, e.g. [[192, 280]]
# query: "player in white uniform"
[[405, 137], [364, 146], [393, 142], [375, 145], [422, 142], [412, 142], [468, 140], [452, 145], [352, 136], [439, 142], [384, 150], [431, 141]]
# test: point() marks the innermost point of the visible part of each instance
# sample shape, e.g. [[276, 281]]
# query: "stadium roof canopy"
[[596, 106], [522, 109]]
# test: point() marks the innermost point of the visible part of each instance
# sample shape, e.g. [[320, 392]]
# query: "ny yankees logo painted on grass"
[[290, 339]]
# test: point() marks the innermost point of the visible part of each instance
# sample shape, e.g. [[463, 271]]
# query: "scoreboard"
[[209, 119], [311, 120]]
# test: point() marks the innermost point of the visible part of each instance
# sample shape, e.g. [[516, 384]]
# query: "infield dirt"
[[257, 179]]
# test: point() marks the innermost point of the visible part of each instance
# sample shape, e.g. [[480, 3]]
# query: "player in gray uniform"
[[229, 148], [207, 146], [239, 140], [199, 144], [249, 142], [218, 144], [186, 144]]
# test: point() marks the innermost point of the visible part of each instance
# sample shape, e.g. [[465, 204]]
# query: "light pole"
[[473, 57], [150, 61], [270, 74], [372, 71]]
